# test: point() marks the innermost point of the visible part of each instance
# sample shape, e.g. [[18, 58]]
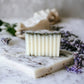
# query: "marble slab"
[[10, 75]]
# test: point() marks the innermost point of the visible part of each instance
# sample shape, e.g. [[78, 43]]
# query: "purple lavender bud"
[[74, 69], [67, 69], [5, 40]]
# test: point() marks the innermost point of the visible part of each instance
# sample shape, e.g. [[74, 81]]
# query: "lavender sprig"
[[5, 40], [74, 45], [74, 69]]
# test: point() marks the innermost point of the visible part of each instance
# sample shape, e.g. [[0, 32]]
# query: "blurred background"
[[26, 8]]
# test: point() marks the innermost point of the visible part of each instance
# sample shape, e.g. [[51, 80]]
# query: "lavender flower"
[[74, 69], [5, 40], [75, 45]]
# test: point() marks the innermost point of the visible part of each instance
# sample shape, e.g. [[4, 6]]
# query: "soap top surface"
[[43, 32]]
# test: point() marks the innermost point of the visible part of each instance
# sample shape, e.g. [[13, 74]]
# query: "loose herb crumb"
[[5, 41]]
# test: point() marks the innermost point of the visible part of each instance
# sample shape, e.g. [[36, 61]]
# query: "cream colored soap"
[[37, 66], [42, 44]]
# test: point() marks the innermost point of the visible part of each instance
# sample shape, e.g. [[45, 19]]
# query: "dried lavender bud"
[[78, 63], [77, 60], [74, 35], [74, 69], [5, 40], [67, 34], [57, 28], [65, 44], [82, 45]]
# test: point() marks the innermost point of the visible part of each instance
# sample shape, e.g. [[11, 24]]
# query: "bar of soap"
[[42, 43], [37, 66]]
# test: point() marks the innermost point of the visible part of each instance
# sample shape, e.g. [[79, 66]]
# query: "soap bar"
[[39, 66], [33, 66], [42, 44]]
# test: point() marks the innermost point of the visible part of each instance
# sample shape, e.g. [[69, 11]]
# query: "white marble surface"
[[9, 75]]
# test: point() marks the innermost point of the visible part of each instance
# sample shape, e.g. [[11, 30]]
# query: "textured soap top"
[[46, 32]]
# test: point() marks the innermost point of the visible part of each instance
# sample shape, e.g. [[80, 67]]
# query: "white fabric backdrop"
[[26, 8]]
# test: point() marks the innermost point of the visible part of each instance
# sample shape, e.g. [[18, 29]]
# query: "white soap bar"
[[42, 44], [37, 66], [33, 66]]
